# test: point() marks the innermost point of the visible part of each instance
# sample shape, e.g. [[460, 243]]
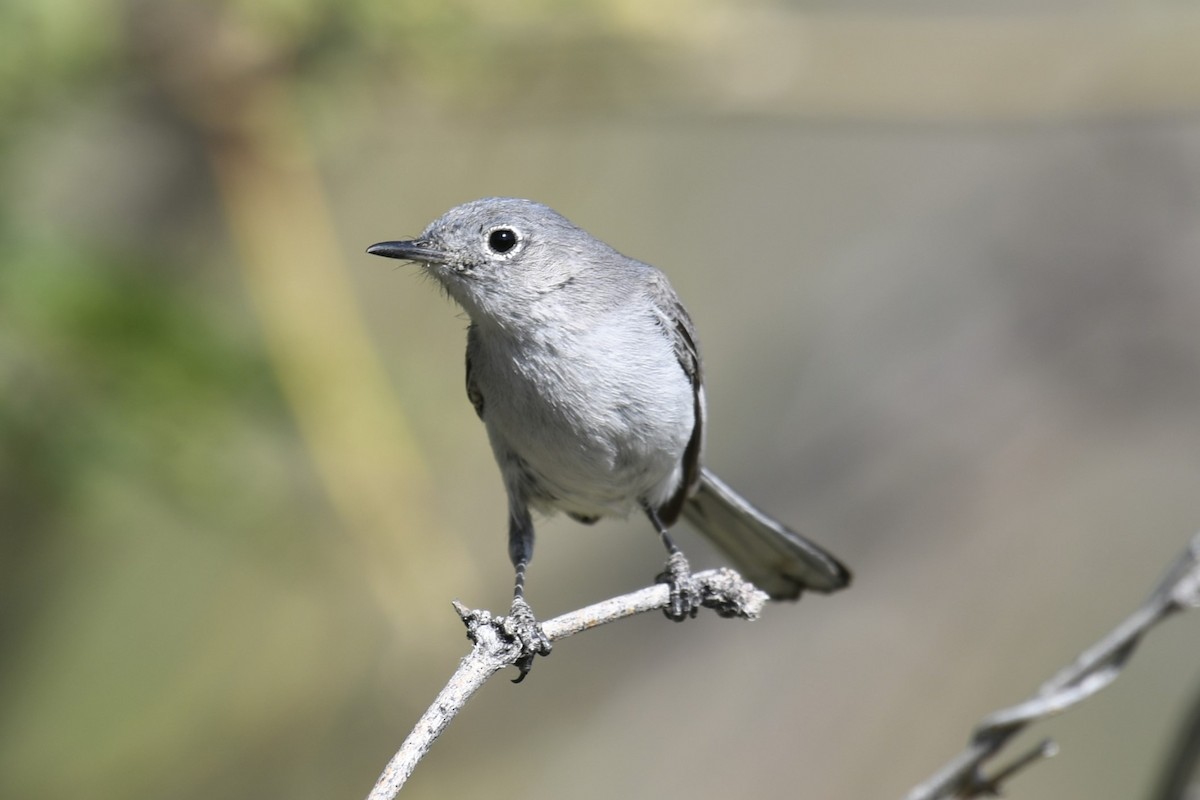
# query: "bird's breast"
[[600, 417]]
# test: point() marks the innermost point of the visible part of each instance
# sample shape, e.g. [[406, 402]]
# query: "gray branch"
[[722, 590], [1094, 669], [726, 592]]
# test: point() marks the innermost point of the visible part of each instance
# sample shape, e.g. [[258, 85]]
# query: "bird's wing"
[[677, 325], [473, 393]]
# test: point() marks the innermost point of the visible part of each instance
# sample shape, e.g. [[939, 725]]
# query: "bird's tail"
[[777, 560]]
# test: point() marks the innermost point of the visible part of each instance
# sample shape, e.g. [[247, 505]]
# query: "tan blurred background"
[[944, 264]]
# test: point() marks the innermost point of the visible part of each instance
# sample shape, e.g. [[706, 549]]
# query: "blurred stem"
[[234, 87], [331, 375]]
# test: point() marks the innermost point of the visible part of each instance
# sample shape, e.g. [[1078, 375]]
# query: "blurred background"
[[943, 261]]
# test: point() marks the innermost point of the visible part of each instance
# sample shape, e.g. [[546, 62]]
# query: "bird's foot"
[[685, 597], [521, 627]]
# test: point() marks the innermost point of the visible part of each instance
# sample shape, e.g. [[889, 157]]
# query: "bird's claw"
[[521, 627], [685, 598]]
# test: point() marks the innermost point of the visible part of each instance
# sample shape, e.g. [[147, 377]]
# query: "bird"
[[585, 368]]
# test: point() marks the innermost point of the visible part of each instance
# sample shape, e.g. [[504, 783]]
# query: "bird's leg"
[[685, 597], [521, 625]]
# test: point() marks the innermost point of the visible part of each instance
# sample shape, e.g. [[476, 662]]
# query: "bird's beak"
[[413, 250]]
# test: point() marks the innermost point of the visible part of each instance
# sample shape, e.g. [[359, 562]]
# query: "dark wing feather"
[[473, 393], [678, 326]]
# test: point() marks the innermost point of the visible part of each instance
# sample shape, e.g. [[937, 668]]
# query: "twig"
[[722, 590], [1094, 669]]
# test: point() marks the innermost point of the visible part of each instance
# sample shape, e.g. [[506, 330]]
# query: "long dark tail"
[[777, 560]]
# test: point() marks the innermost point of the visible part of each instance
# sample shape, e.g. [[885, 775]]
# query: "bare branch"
[[722, 590], [1094, 669], [726, 592]]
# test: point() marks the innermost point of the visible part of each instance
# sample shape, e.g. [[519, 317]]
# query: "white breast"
[[598, 417]]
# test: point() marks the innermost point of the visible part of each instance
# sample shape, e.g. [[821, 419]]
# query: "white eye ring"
[[503, 241]]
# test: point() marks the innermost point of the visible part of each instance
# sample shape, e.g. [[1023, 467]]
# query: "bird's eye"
[[502, 240]]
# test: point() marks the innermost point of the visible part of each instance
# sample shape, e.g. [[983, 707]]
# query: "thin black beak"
[[413, 250]]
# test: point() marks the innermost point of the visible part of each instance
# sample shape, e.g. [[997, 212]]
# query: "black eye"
[[502, 240]]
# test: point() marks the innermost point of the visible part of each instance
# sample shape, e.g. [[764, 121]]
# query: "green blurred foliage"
[[113, 364], [52, 50], [146, 462]]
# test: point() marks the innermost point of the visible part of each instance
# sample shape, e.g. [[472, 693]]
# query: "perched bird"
[[585, 369]]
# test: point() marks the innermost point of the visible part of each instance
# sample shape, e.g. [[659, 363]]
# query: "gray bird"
[[585, 369]]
